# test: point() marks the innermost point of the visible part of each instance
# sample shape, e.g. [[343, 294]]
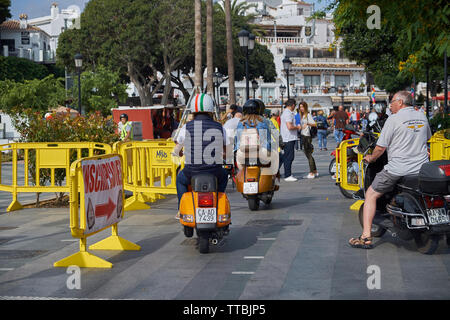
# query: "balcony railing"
[[45, 56], [329, 91], [281, 40], [320, 60]]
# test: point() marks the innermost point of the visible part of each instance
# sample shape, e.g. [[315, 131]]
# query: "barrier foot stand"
[[136, 202], [14, 205], [357, 205], [149, 197], [83, 259], [114, 242]]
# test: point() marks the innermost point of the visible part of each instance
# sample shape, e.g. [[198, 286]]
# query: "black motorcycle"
[[418, 208]]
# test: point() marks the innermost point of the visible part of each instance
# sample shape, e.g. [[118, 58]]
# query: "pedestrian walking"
[[289, 135], [322, 127], [340, 120], [307, 122]]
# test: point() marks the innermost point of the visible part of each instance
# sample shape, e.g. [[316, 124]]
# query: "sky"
[[40, 8]]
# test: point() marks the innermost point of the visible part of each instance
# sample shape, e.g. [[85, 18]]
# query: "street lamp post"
[[217, 80], [247, 44], [78, 65], [254, 87], [286, 66], [282, 90]]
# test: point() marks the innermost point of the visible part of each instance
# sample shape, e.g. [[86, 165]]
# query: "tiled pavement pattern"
[[294, 249]]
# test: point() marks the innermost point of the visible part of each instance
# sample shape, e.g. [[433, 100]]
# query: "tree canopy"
[[146, 41], [412, 35]]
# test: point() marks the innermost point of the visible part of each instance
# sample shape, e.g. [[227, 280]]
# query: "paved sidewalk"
[[294, 249]]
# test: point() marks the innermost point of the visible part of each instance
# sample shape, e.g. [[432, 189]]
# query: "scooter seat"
[[204, 182], [411, 182]]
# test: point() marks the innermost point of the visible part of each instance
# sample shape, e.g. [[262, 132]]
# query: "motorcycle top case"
[[434, 177]]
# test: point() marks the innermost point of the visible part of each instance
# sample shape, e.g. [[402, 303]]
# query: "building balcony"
[[329, 91], [296, 60], [43, 56], [281, 40]]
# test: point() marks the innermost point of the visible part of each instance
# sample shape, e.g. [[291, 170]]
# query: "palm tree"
[[198, 81], [209, 47], [230, 56]]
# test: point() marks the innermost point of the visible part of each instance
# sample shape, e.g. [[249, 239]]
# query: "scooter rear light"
[[446, 168], [205, 199], [434, 202], [251, 180], [224, 217]]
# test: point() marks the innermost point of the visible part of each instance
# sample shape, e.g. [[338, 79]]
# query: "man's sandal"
[[360, 242]]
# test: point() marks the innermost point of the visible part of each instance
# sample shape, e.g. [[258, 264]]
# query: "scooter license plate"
[[438, 216], [206, 215], [250, 187]]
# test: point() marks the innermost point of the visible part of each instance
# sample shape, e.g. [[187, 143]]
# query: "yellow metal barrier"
[[80, 218], [148, 165], [41, 162], [341, 165], [440, 146]]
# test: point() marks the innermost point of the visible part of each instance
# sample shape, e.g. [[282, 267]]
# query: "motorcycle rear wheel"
[[376, 230], [346, 193], [426, 243]]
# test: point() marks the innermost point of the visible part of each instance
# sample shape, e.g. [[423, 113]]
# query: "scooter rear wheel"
[[332, 167], [426, 243], [203, 243], [253, 203], [376, 230]]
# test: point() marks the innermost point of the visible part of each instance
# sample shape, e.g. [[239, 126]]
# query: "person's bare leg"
[[370, 206]]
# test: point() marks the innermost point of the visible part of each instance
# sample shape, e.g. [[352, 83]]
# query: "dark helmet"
[[124, 115], [253, 106]]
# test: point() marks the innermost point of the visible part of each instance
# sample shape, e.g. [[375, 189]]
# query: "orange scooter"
[[256, 182], [206, 210]]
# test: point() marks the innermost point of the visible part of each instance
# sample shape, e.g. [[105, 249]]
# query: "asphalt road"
[[294, 249]]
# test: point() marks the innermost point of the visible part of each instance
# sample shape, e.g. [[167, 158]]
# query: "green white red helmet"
[[202, 103]]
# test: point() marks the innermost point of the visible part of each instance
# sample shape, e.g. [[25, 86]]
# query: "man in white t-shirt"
[[231, 127], [404, 136], [288, 131]]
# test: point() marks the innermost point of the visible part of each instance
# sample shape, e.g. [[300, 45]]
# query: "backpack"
[[321, 124], [249, 142]]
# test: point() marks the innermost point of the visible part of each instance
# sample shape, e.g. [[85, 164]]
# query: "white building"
[[20, 39], [320, 74], [57, 22]]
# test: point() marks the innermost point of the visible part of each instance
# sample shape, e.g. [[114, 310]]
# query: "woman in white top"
[[307, 122]]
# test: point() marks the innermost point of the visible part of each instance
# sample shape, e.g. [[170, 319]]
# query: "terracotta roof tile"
[[14, 25]]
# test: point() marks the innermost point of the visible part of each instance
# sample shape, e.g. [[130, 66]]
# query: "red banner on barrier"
[[103, 193]]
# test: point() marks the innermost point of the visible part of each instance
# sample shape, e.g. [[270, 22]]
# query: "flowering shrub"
[[61, 127]]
